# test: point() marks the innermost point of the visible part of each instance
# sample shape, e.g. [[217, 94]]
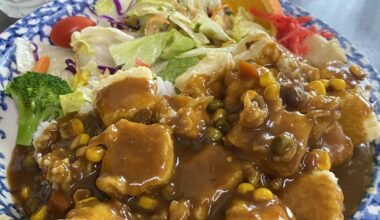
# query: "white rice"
[[41, 128], [165, 87]]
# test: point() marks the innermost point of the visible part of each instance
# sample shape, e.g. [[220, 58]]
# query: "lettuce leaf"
[[24, 55], [178, 66], [177, 45], [72, 102], [243, 24], [188, 27], [93, 43], [151, 7], [108, 7], [149, 48], [146, 49], [210, 28], [202, 51]]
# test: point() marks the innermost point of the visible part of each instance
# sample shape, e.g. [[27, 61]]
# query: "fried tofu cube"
[[96, 210], [358, 118], [138, 157], [314, 195], [246, 210], [206, 177], [125, 97]]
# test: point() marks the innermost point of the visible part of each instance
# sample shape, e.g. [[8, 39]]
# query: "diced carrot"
[[248, 70], [290, 32], [42, 65]]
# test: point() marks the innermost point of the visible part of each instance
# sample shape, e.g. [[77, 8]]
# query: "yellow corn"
[[272, 92], [337, 84], [251, 94], [220, 113], [356, 71], [323, 159], [95, 153], [325, 82], [79, 141], [262, 194], [40, 214], [25, 192], [317, 87], [147, 202], [266, 79], [244, 188], [76, 126]]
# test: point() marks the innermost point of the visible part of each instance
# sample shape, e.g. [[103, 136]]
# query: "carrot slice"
[[290, 32], [42, 65], [248, 70]]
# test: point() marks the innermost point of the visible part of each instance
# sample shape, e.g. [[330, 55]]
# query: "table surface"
[[357, 20]]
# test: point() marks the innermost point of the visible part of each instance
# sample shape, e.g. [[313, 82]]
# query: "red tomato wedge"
[[61, 33]]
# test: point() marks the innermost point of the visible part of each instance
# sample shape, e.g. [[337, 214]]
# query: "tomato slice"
[[61, 33]]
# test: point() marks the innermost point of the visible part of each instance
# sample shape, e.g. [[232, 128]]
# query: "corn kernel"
[[317, 87], [79, 141], [250, 94], [337, 84], [325, 82], [71, 129], [147, 203], [220, 113], [40, 214], [272, 92], [95, 153], [357, 71], [266, 79], [323, 160], [244, 188], [77, 126], [25, 192], [262, 194]]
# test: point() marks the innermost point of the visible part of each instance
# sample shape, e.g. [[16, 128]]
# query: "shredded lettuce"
[[210, 28], [243, 25], [202, 5], [151, 7], [147, 49], [178, 66], [188, 27], [112, 8], [93, 43], [24, 55], [72, 102], [203, 51], [177, 45]]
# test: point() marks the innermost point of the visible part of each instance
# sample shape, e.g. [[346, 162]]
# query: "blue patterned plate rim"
[[36, 25]]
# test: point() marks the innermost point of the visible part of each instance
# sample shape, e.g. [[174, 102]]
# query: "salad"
[[189, 109]]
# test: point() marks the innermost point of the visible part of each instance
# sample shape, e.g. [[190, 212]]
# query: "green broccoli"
[[37, 99]]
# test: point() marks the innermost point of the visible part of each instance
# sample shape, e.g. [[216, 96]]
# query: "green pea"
[[223, 125], [220, 113], [215, 105], [213, 135], [282, 144]]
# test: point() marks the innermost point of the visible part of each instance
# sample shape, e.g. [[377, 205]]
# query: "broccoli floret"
[[37, 99]]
